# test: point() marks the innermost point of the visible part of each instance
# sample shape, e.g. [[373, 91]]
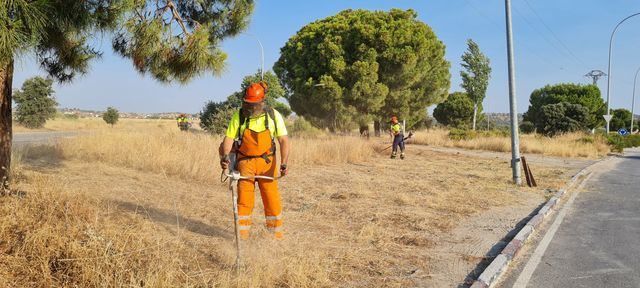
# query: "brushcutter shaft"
[[236, 176]]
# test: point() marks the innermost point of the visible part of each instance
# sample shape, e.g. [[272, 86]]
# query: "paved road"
[[598, 241], [39, 137]]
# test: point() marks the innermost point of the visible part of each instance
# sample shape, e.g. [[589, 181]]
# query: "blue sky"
[[555, 41]]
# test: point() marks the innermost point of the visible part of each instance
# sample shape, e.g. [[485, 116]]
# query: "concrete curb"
[[499, 265]]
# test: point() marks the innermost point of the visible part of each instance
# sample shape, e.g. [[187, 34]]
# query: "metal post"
[[609, 66], [515, 143], [633, 99]]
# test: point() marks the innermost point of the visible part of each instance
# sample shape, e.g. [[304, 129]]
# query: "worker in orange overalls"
[[251, 135]]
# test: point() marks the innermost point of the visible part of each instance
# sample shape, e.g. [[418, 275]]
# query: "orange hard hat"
[[255, 93]]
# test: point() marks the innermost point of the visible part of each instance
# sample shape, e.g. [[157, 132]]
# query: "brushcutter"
[[234, 176], [403, 139]]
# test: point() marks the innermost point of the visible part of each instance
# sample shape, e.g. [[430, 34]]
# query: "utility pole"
[[595, 75], [633, 100], [515, 141]]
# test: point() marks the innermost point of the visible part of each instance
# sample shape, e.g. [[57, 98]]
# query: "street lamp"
[[261, 54], [609, 70], [633, 99]]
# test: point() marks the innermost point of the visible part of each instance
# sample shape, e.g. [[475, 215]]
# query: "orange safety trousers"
[[268, 188]]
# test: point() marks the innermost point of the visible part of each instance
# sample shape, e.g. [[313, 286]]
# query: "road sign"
[[623, 132], [607, 118]]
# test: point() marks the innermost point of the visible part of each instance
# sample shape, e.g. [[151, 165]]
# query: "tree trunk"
[[364, 131], [376, 127], [6, 80], [475, 113]]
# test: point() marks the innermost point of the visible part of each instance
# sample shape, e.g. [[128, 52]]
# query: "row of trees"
[[553, 110]]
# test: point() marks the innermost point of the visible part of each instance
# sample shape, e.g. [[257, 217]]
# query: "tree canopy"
[[588, 96], [475, 75], [111, 116], [177, 40], [456, 111], [35, 103], [361, 65], [621, 119], [173, 40], [563, 117]]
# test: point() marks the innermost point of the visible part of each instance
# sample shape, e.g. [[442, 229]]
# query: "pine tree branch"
[[177, 17]]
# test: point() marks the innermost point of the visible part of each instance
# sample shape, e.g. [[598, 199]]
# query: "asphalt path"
[[597, 243], [20, 139]]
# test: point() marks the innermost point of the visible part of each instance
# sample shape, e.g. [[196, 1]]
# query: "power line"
[[554, 34], [537, 31], [524, 45]]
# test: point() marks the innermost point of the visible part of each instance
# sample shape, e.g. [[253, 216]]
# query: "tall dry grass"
[[567, 145], [172, 153], [375, 221], [53, 236], [195, 155]]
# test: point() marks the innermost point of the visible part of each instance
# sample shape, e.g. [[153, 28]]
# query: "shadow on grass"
[[39, 157], [169, 217]]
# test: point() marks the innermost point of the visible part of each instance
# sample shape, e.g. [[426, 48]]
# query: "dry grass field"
[[576, 145], [141, 205]]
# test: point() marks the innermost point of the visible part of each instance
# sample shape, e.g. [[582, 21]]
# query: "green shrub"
[[302, 127], [563, 117], [633, 140], [111, 116], [462, 134], [215, 116], [618, 142], [527, 127]]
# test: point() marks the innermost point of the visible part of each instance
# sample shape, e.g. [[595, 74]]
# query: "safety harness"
[[269, 112]]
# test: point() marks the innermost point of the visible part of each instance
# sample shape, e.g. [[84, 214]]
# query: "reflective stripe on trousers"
[[268, 191]]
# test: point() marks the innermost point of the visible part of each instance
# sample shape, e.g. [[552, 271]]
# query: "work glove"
[[225, 161], [283, 170]]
